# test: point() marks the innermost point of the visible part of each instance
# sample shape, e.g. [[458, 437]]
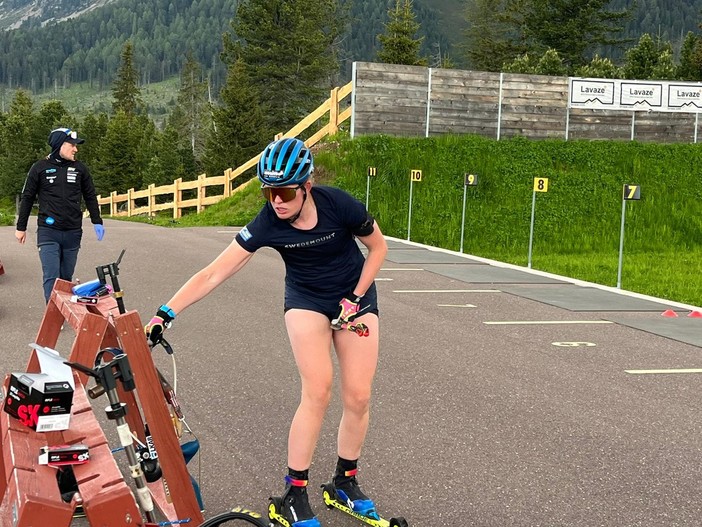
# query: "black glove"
[[158, 324]]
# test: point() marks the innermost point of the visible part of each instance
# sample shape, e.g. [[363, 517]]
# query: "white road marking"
[[400, 269], [383, 279], [538, 322], [455, 305], [648, 372], [448, 291]]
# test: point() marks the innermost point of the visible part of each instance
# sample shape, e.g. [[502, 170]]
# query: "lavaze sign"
[[617, 94]]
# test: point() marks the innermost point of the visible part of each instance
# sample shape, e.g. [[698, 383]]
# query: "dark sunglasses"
[[284, 193]]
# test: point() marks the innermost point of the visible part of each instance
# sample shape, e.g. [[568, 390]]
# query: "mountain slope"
[[85, 46], [32, 13], [88, 47]]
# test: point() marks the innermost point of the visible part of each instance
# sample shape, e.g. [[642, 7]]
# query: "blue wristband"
[[168, 311]]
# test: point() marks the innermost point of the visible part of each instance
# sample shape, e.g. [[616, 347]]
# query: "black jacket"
[[59, 184]]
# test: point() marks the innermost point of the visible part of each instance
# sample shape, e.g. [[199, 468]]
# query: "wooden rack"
[[29, 491]]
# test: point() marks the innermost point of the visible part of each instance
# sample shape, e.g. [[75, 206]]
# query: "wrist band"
[[168, 311]]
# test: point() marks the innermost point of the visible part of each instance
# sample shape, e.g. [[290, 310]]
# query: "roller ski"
[[349, 499], [292, 509]]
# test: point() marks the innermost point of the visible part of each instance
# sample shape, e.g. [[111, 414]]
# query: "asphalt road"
[[473, 424]]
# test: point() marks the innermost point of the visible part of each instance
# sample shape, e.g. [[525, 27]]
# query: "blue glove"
[[100, 231]]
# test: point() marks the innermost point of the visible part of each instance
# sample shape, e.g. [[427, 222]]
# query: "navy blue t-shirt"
[[325, 260]]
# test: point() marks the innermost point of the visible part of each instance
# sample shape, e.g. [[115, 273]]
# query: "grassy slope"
[[577, 222], [80, 98]]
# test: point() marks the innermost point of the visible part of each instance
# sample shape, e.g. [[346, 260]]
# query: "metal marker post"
[[631, 192], [468, 180], [463, 216], [372, 172], [540, 185], [415, 175]]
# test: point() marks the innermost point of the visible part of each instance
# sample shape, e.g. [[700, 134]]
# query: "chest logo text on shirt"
[[310, 242]]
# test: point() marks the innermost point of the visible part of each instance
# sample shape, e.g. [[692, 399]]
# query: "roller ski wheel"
[[276, 516], [332, 501], [235, 517]]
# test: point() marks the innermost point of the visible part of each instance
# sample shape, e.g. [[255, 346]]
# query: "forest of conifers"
[[248, 70], [87, 48]]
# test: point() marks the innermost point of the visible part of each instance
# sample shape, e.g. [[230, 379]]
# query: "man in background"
[[59, 182]]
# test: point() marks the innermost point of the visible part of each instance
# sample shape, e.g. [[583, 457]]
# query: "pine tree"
[[289, 51], [571, 27], [665, 66], [126, 92], [642, 59], [690, 67], [522, 64], [123, 153], [192, 114], [240, 131], [18, 144], [501, 30], [489, 42], [398, 43], [93, 129], [599, 68], [551, 63]]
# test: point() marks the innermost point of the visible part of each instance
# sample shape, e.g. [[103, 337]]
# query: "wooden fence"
[[419, 101], [139, 202]]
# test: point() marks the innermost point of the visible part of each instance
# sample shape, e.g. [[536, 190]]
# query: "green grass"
[[7, 211], [577, 223], [670, 275], [235, 211]]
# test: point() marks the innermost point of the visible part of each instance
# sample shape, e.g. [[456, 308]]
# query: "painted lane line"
[[650, 372], [455, 305], [537, 322], [448, 291], [400, 269], [384, 279]]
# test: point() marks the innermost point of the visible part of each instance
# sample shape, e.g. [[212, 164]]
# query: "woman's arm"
[[204, 281], [377, 250]]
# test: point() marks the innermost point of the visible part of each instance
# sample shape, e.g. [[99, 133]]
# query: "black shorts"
[[297, 299]]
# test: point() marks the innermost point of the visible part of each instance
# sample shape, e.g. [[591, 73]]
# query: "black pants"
[[58, 252]]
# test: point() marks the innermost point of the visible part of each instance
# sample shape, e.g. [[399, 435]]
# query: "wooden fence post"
[[113, 205], [227, 182], [176, 198], [151, 199], [201, 189], [130, 202], [334, 111]]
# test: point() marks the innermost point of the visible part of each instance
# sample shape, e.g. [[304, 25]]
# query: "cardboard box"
[[42, 401], [64, 455]]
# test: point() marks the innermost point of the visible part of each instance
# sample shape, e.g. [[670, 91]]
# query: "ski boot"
[[349, 499], [292, 510]]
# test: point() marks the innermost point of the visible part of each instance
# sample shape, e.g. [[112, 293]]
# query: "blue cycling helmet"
[[285, 162]]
